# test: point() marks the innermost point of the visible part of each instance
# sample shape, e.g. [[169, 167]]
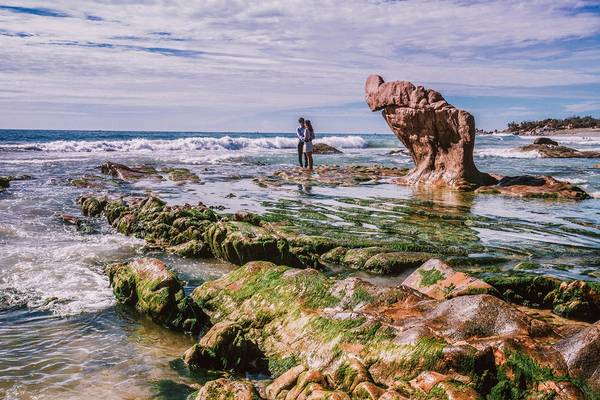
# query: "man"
[[300, 134]]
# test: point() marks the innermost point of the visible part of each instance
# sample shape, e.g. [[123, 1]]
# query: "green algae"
[[279, 365], [430, 277], [524, 373]]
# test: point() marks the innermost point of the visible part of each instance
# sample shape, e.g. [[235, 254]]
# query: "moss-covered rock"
[[92, 206], [227, 389], [4, 182], [347, 337], [181, 175], [152, 289], [440, 281], [576, 299], [241, 242], [356, 258], [527, 289], [395, 262]]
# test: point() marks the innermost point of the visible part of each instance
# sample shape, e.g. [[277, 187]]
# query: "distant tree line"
[[553, 123]]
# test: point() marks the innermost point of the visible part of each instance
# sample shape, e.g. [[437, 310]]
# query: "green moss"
[[361, 296], [424, 355], [430, 277], [329, 329], [314, 289], [525, 373], [278, 365], [264, 283]]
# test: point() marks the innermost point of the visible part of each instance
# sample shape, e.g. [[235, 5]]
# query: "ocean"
[[62, 335]]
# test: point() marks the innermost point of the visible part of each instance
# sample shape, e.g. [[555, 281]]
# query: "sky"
[[214, 65]]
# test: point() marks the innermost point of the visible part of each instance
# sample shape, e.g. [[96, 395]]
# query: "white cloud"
[[583, 107], [234, 58]]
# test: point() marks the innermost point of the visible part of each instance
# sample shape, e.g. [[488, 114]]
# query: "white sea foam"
[[64, 280], [225, 143], [506, 153], [575, 181]]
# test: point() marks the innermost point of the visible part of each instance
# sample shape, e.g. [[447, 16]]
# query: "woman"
[[309, 135]]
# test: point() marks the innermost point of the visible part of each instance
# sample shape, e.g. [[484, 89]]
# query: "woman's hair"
[[309, 127]]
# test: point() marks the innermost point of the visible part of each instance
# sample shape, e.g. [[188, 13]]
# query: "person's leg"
[[310, 161], [300, 152], [305, 161]]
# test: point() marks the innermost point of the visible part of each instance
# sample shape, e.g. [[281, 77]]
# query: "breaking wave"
[[225, 143], [505, 153]]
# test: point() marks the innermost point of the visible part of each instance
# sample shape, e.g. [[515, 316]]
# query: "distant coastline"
[[553, 126]]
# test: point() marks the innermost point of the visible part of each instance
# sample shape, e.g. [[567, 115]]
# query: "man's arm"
[[300, 134]]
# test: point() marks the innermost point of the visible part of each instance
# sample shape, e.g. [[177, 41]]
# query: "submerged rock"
[[82, 225], [439, 137], [322, 337], [127, 173], [149, 286], [323, 148], [4, 182], [544, 187], [333, 175], [438, 280], [181, 175]]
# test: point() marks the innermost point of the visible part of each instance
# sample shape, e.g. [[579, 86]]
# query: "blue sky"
[[240, 65]]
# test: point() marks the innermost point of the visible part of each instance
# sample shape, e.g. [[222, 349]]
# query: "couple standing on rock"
[[306, 135]]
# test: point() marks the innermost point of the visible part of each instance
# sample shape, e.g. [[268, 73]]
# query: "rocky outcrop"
[[322, 337], [333, 175], [439, 137], [438, 280], [572, 299], [541, 187], [556, 151], [199, 232], [149, 286], [324, 148]]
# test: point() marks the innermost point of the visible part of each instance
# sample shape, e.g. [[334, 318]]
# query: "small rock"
[[227, 389], [323, 148], [545, 140], [438, 280]]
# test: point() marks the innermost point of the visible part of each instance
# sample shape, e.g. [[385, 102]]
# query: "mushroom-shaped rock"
[[439, 137]]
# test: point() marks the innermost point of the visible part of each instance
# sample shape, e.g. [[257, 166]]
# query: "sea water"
[[63, 336]]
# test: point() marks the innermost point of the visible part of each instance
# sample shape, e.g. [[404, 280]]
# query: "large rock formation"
[[439, 136]]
